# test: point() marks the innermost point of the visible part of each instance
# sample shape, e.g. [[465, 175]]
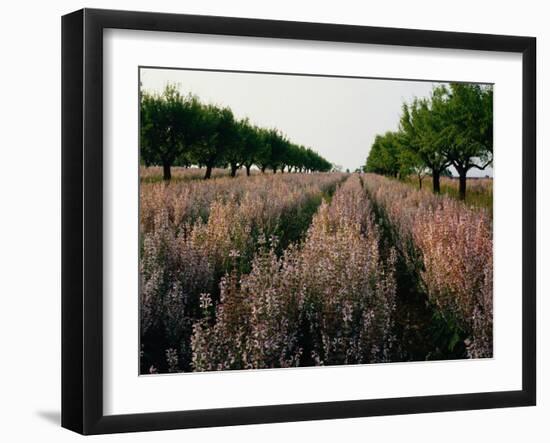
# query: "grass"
[[479, 191], [180, 174]]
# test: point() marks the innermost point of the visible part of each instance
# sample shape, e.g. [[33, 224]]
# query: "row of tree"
[[454, 127], [179, 130]]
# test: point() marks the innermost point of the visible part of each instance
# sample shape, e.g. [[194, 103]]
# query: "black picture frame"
[[82, 218]]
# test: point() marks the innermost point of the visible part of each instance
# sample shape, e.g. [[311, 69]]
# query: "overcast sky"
[[337, 117]]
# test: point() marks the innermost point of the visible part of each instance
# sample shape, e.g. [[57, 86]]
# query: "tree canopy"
[[454, 127], [384, 154], [180, 130]]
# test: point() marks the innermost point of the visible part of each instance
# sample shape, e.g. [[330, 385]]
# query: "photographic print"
[[300, 220], [290, 221]]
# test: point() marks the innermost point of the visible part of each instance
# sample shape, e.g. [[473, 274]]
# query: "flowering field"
[[153, 174], [446, 253], [480, 190], [302, 269]]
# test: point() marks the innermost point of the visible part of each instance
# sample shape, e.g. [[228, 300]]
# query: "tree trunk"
[[419, 182], [263, 169], [166, 172], [248, 170], [233, 170], [208, 172], [462, 185], [274, 170], [435, 176]]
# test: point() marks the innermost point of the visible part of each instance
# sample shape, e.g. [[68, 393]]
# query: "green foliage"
[[384, 156], [217, 138], [454, 127], [468, 136], [410, 163], [182, 131], [167, 128], [468, 133], [421, 127]]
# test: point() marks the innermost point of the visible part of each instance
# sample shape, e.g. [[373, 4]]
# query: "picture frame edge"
[[82, 359]]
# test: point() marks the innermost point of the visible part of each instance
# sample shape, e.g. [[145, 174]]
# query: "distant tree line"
[[454, 127], [178, 130]]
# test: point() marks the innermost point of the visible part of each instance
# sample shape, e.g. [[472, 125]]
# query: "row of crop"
[[328, 300], [153, 174], [192, 233], [183, 203], [449, 246]]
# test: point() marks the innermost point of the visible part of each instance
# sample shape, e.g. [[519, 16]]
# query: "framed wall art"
[[268, 221]]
